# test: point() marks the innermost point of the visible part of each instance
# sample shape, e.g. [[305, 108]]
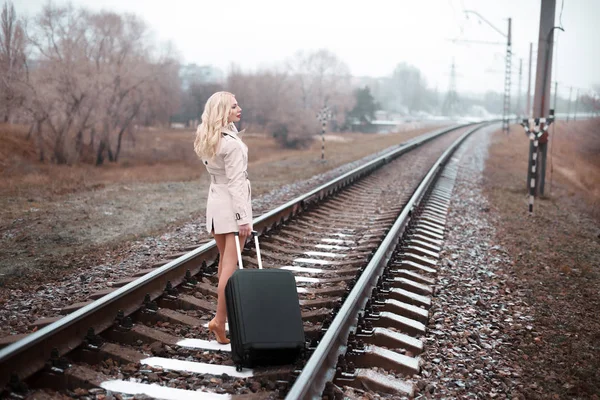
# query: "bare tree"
[[163, 95], [322, 78], [264, 95], [198, 93], [272, 102], [285, 100], [57, 84], [198, 82], [12, 61], [95, 75], [276, 96], [134, 85]]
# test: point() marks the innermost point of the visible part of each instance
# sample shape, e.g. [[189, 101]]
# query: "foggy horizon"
[[373, 41]]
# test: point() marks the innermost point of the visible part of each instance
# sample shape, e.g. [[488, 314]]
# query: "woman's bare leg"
[[220, 239], [228, 266]]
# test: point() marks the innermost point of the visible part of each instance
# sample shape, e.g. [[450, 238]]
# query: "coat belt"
[[222, 179]]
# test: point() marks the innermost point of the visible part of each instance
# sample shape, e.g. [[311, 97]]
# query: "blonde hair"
[[214, 118]]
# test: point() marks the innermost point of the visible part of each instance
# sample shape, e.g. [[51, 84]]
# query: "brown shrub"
[[16, 149], [295, 131]]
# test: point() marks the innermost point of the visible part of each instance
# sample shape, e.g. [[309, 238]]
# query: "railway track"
[[363, 249]]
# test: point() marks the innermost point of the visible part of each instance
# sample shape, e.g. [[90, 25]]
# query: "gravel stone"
[[477, 313]]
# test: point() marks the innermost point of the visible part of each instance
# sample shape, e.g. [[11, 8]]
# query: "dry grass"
[[167, 155], [556, 253], [154, 156], [52, 217], [573, 165], [576, 160], [15, 148]]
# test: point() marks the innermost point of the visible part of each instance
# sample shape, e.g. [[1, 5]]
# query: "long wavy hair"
[[214, 118]]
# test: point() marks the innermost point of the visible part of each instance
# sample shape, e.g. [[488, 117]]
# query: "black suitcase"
[[265, 323]]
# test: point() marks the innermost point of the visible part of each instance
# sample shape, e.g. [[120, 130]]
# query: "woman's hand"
[[245, 230]]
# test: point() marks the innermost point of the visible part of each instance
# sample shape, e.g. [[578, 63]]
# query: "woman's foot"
[[218, 331]]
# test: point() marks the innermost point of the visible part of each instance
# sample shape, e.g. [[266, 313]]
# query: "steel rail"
[[29, 355], [321, 365]]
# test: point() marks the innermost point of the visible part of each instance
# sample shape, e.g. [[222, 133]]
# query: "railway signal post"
[[323, 116]]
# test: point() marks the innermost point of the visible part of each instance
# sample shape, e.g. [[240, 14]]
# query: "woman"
[[228, 207]]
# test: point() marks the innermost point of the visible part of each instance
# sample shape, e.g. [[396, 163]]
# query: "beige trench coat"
[[229, 196]]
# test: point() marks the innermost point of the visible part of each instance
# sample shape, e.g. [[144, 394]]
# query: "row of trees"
[[12, 62], [283, 100], [85, 80]]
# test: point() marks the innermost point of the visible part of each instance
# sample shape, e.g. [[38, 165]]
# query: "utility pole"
[[519, 112], [569, 104], [451, 101], [505, 116], [541, 100], [529, 82], [507, 76], [576, 104]]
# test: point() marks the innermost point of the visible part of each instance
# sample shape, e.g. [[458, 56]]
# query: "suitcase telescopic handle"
[[239, 249], [258, 257]]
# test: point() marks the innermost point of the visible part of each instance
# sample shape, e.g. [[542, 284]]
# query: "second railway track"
[[363, 249]]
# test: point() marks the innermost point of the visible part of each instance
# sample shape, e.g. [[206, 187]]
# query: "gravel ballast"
[[478, 312]]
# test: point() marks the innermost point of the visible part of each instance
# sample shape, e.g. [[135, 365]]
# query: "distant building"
[[382, 115], [191, 73]]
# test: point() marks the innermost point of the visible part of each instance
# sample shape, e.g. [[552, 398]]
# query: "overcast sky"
[[371, 36]]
